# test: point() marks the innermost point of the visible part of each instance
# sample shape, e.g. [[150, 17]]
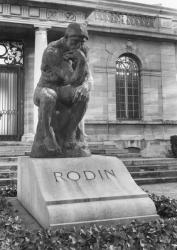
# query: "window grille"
[[11, 53], [127, 88]]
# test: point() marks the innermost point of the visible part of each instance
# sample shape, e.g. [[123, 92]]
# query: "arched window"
[[127, 88]]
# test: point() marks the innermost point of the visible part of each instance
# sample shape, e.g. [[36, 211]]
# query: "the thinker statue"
[[62, 96]]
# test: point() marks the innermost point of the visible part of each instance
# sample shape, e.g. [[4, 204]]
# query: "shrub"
[[154, 235], [8, 191], [165, 206]]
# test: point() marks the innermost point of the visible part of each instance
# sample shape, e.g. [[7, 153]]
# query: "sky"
[[165, 3]]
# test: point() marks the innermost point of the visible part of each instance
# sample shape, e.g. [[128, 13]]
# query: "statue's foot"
[[51, 146], [40, 151], [69, 145], [43, 149], [70, 142], [77, 151]]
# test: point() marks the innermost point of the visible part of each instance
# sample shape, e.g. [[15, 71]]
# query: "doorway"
[[11, 91]]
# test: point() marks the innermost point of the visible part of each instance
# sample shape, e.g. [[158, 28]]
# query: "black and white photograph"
[[88, 125]]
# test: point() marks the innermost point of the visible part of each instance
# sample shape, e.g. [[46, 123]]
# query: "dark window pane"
[[136, 107], [123, 115], [130, 106], [136, 115], [130, 99], [130, 114], [122, 98], [122, 106], [127, 77], [135, 91]]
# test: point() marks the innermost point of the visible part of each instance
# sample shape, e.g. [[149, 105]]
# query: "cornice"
[[137, 7], [120, 20], [131, 32], [113, 5], [82, 4]]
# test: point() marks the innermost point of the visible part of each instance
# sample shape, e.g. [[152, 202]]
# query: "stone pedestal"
[[72, 191]]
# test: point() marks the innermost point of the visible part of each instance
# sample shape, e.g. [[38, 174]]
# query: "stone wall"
[[158, 94]]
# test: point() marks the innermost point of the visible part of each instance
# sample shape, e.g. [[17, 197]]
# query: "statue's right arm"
[[54, 67]]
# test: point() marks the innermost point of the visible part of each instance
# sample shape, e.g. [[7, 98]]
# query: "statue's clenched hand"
[[81, 93], [74, 55]]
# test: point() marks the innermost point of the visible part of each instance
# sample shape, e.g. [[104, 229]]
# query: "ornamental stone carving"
[[124, 18], [34, 12]]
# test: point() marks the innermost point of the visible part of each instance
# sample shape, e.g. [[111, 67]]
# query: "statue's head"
[[76, 34]]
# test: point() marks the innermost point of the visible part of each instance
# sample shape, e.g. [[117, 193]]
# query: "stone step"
[[148, 174], [151, 168], [14, 148], [155, 164], [10, 160], [142, 181], [111, 149], [158, 169], [117, 154], [20, 148], [5, 167], [8, 170], [149, 161], [8, 175], [7, 181]]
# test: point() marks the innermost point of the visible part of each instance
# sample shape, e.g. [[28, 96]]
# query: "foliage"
[[8, 191], [155, 235], [165, 206]]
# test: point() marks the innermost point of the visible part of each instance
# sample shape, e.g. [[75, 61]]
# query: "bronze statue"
[[62, 96]]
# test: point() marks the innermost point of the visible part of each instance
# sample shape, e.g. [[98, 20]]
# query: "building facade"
[[133, 58]]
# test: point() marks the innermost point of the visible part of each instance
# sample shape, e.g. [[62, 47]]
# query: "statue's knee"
[[48, 98]]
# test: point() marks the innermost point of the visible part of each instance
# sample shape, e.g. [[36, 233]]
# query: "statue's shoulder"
[[56, 46], [54, 51]]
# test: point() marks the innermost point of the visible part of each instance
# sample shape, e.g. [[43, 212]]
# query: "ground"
[[167, 189]]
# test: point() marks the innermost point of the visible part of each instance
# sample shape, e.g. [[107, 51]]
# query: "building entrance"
[[11, 91]]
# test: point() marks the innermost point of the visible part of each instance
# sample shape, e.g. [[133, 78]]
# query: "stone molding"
[[134, 52], [42, 14], [147, 72], [123, 20], [131, 122], [112, 70], [127, 19], [100, 69]]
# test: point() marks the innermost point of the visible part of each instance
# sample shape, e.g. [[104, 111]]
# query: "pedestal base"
[[69, 191]]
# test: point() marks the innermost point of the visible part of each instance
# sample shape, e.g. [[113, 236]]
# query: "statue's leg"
[[45, 140], [70, 114], [78, 110], [81, 130], [46, 109]]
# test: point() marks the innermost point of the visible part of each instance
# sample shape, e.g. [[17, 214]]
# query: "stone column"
[[40, 45]]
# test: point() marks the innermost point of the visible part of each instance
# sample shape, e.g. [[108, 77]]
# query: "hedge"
[[154, 235]]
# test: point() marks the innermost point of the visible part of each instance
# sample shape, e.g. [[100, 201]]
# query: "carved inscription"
[[124, 18], [86, 175]]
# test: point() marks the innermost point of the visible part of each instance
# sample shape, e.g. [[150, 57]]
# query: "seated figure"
[[62, 95]]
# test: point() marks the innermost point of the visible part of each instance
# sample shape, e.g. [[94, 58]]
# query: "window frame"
[[123, 93]]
